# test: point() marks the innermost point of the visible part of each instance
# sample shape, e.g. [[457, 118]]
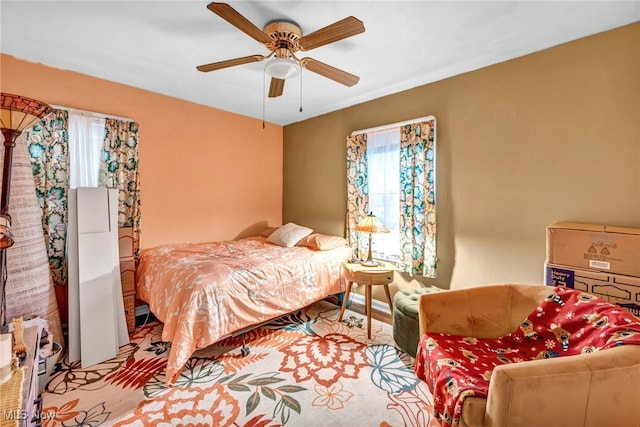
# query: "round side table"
[[368, 276]]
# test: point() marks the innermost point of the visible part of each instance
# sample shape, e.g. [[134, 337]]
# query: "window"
[[391, 172], [86, 139], [95, 150], [383, 170]]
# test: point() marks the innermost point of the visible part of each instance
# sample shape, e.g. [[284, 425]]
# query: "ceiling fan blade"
[[276, 88], [329, 72], [233, 17], [229, 63], [332, 33]]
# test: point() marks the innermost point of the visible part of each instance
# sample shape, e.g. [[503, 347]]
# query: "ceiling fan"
[[283, 39]]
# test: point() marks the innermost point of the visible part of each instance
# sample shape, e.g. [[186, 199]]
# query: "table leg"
[[344, 302], [386, 291], [367, 293]]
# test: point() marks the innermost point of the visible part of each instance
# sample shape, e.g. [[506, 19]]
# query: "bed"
[[204, 292]]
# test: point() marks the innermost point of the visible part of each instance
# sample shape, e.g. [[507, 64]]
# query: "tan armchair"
[[597, 389]]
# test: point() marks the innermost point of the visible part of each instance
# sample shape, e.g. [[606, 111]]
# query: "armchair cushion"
[[565, 323]]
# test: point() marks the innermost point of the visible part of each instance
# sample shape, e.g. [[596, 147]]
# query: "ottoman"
[[406, 332]]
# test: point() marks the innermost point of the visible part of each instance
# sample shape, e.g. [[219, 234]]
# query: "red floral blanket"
[[566, 323]]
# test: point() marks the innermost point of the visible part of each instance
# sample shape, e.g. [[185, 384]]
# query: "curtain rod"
[[93, 113], [394, 125]]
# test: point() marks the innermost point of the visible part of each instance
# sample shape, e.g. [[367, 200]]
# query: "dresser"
[[128, 275]]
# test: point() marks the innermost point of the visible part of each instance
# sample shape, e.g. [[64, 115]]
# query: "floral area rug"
[[304, 369]]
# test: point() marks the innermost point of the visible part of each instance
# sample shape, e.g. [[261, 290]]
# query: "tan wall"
[[552, 136], [205, 174]]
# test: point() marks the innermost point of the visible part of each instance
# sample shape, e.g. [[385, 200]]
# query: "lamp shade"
[[371, 224], [19, 112], [282, 68]]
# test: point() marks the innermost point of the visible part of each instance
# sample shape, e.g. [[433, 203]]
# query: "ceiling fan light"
[[282, 68]]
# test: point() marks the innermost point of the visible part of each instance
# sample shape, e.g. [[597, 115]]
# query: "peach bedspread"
[[203, 292]]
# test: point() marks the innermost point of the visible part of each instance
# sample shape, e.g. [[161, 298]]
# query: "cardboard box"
[[125, 242], [128, 275], [595, 247], [619, 289]]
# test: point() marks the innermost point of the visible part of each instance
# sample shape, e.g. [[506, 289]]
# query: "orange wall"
[[201, 178]]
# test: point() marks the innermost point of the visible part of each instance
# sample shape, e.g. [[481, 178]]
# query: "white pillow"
[[289, 234]]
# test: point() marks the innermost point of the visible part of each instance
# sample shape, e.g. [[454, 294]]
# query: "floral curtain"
[[48, 146], [357, 188], [119, 169], [417, 199]]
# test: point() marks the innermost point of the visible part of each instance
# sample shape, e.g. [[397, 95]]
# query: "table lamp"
[[370, 224]]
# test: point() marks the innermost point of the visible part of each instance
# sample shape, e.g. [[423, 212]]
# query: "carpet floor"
[[304, 369]]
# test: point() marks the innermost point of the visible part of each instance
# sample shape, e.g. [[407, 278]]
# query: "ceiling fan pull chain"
[[301, 89], [264, 88]]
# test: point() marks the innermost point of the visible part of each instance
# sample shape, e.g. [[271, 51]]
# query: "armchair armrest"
[[570, 390], [481, 311]]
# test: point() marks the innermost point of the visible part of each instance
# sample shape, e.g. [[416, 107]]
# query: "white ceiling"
[[156, 45]]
